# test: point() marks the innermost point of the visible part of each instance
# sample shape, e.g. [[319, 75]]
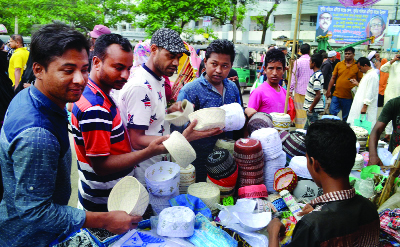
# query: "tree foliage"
[[81, 13], [175, 14], [264, 20]]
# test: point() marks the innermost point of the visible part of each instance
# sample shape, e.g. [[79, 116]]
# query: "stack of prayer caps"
[[188, 177], [162, 181], [281, 121], [222, 171], [362, 137], [176, 222], [258, 121], [274, 157], [294, 145], [227, 144], [207, 193], [299, 166], [234, 117], [249, 157], [358, 163]]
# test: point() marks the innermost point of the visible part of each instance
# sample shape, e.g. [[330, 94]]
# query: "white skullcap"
[[371, 55], [331, 53]]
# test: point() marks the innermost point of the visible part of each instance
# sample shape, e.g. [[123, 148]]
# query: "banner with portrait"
[[349, 25]]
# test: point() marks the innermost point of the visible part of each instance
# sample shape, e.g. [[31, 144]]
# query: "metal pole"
[[395, 17], [16, 25], [293, 52]]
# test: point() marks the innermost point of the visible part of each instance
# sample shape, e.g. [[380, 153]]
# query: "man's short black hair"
[[333, 144], [18, 38], [351, 49], [274, 55], [305, 49], [221, 46], [364, 61], [53, 40], [105, 40], [317, 60]]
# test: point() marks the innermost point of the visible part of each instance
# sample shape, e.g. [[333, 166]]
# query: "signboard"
[[349, 25], [393, 28], [206, 21]]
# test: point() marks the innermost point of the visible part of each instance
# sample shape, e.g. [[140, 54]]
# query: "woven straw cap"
[[227, 144], [360, 132], [180, 149], [207, 192], [208, 118], [128, 195], [162, 178], [180, 118]]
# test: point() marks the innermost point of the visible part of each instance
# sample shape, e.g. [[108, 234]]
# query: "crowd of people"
[[118, 134]]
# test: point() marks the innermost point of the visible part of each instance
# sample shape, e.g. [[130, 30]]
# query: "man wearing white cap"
[[375, 59], [327, 69]]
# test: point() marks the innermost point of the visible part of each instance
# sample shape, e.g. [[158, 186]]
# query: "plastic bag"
[[363, 122], [365, 187]]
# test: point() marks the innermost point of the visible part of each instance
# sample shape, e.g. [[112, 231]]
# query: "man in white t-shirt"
[[142, 100]]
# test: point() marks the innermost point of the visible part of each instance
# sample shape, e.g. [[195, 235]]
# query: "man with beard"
[[143, 103], [101, 143], [325, 20]]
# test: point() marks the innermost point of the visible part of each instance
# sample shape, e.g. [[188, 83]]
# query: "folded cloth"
[[390, 222], [192, 202]]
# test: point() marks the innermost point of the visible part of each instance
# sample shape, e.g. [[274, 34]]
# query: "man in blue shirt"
[[35, 155], [211, 89]]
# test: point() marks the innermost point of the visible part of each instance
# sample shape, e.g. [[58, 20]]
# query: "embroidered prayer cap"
[[253, 191], [99, 30], [220, 164], [306, 189], [234, 116], [162, 178], [176, 222], [270, 141], [331, 53], [295, 144], [169, 40], [259, 120], [299, 166]]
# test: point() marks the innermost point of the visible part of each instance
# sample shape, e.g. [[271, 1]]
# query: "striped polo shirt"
[[98, 131]]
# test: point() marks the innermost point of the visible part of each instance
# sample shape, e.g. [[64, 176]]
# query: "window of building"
[[313, 20]]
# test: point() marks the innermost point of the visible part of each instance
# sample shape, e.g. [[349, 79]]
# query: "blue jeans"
[[311, 118], [338, 104]]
